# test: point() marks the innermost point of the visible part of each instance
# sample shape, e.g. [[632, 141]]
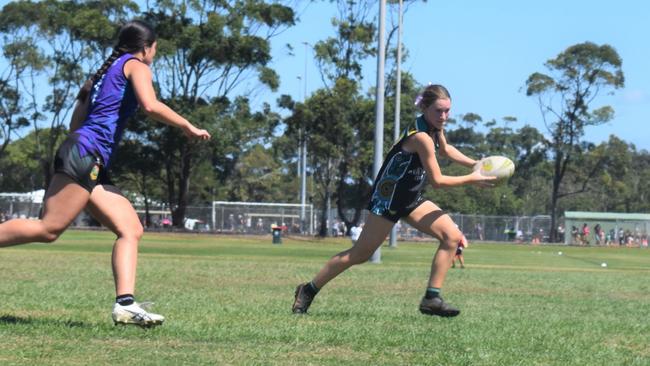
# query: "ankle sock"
[[311, 289], [125, 300], [432, 292]]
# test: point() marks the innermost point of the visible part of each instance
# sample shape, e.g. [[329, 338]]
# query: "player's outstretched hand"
[[196, 133], [481, 180]]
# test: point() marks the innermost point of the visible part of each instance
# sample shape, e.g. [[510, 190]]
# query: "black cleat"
[[437, 306], [302, 300]]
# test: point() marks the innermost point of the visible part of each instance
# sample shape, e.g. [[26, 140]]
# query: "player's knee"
[[452, 239], [137, 232], [50, 234], [133, 233]]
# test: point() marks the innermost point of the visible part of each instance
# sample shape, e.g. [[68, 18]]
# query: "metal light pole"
[[379, 107], [303, 155], [398, 94], [299, 135]]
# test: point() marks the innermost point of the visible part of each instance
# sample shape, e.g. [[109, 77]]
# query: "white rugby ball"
[[496, 166]]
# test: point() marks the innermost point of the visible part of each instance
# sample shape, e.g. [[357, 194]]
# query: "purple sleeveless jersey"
[[112, 102]]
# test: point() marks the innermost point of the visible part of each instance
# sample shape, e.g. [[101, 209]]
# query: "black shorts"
[[88, 171], [380, 209], [459, 250]]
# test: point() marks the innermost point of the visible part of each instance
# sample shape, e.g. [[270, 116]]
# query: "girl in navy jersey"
[[81, 180], [397, 193]]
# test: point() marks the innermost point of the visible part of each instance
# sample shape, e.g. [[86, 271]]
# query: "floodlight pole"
[[303, 155], [299, 136], [379, 106], [398, 95]]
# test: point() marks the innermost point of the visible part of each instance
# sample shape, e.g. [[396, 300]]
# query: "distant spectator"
[[611, 236], [585, 234], [621, 237], [231, 222], [560, 233], [601, 235], [629, 238], [575, 235], [520, 236], [537, 237], [355, 233], [3, 218], [597, 231], [459, 253]]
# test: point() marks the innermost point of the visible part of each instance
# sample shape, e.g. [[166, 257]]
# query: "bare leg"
[[374, 233], [430, 219], [113, 210], [63, 202]]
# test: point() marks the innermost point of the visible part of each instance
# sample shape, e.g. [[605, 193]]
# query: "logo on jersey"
[[94, 173], [417, 172], [386, 188]]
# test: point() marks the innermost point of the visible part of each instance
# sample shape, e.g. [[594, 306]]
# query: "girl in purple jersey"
[[103, 106]]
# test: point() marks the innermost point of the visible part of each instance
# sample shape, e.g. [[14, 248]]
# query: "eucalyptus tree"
[[20, 58], [53, 45], [334, 119], [577, 77], [212, 56]]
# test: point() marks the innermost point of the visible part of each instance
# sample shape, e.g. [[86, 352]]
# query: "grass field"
[[227, 301]]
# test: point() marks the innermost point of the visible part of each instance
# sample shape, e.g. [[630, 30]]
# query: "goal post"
[[258, 217]]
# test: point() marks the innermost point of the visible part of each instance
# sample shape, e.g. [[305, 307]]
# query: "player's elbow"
[[149, 108]]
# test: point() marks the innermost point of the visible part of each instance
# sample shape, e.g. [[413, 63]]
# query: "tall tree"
[[62, 40], [208, 50], [578, 76]]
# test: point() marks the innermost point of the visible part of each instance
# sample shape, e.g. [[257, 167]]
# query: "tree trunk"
[[147, 214], [323, 232], [178, 214], [557, 179]]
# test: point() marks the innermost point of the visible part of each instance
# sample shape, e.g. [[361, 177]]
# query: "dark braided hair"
[[133, 37]]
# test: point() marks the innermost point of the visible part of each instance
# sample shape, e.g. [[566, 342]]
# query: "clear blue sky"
[[483, 51]]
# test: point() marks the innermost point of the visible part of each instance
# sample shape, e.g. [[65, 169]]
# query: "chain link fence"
[[257, 218]]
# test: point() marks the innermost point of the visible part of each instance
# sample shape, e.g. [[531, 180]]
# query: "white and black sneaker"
[[136, 314]]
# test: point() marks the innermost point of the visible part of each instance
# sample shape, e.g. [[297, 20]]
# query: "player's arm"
[[79, 113], [140, 76], [422, 144], [449, 151]]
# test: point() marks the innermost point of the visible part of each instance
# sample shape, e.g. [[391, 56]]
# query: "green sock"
[[432, 292]]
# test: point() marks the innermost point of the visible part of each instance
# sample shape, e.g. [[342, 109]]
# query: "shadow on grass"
[[16, 320]]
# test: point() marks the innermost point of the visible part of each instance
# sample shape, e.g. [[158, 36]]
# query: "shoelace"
[[146, 305]]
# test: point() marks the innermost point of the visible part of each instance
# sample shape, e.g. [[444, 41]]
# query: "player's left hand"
[[197, 133]]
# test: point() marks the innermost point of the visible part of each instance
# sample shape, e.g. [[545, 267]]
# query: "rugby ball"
[[496, 166]]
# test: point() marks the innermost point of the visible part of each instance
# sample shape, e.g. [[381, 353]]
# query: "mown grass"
[[227, 301]]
